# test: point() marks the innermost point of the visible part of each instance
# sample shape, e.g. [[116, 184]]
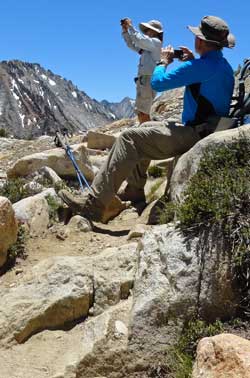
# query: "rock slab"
[[8, 228], [222, 356], [33, 211], [100, 141], [55, 159], [176, 279], [60, 290]]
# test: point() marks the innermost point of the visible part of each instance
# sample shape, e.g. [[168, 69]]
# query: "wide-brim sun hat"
[[153, 25], [214, 29]]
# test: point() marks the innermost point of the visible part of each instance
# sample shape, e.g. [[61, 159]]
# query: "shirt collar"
[[215, 54]]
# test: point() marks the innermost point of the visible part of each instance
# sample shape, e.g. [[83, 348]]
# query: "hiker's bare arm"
[[127, 37], [187, 54]]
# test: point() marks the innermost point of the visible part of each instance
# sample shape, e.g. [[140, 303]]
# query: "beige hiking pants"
[[144, 94], [131, 154]]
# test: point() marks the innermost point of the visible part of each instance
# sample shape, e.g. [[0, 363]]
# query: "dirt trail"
[[47, 353], [77, 243]]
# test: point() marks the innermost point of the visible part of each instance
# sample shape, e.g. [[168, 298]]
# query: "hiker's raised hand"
[[127, 22], [187, 54], [167, 54]]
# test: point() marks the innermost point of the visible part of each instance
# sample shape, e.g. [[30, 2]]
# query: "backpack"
[[241, 109], [240, 113]]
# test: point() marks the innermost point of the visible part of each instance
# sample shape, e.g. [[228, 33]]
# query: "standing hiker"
[[209, 82], [148, 44]]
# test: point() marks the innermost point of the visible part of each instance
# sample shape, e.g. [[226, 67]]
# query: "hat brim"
[[230, 42], [144, 26]]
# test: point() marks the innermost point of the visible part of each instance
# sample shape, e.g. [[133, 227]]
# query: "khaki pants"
[[144, 94], [131, 154]]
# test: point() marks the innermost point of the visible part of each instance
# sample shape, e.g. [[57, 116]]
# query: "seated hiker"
[[148, 44], [209, 82]]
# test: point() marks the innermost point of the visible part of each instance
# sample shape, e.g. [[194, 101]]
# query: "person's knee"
[[126, 134], [149, 124], [128, 139]]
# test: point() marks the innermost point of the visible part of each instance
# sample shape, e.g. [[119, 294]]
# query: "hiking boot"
[[84, 205], [91, 208], [132, 194]]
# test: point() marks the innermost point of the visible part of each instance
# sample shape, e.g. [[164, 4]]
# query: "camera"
[[123, 20], [178, 54]]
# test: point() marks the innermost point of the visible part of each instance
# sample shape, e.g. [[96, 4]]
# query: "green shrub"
[[180, 364], [167, 214], [194, 331], [220, 189], [14, 190], [218, 198], [18, 250], [219, 194], [53, 208], [181, 356], [3, 133], [155, 171], [61, 185]]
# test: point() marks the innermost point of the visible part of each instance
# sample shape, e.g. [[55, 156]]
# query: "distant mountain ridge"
[[123, 109], [35, 101]]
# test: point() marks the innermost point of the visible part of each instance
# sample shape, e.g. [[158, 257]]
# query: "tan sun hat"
[[214, 29], [153, 25]]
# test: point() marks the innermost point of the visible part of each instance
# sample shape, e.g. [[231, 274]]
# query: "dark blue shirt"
[[209, 83]]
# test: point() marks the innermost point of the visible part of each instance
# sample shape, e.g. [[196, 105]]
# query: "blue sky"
[[81, 40]]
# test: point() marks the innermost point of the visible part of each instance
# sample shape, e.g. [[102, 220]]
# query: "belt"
[[140, 78]]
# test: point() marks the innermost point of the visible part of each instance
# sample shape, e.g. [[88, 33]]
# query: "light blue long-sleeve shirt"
[[209, 83], [151, 49]]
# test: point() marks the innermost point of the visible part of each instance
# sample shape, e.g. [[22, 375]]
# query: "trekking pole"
[[60, 141]]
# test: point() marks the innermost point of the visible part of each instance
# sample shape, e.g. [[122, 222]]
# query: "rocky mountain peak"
[[34, 101], [123, 109]]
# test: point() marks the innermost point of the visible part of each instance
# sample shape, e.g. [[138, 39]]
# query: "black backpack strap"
[[205, 108]]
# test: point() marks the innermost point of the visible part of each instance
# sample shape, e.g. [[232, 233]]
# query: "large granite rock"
[[8, 228], [100, 141], [177, 277], [33, 211], [188, 163], [64, 289], [106, 338], [222, 356], [168, 104], [55, 159], [56, 291], [50, 175], [114, 273], [83, 351], [78, 224]]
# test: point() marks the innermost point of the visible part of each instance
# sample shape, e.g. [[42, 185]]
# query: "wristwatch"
[[161, 63]]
